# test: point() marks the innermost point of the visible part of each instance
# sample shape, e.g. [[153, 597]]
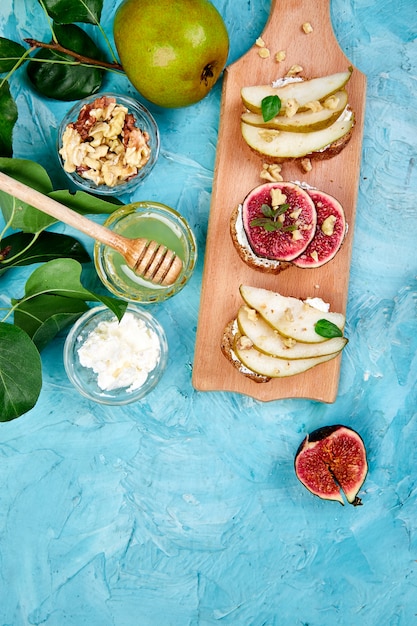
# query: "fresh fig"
[[330, 231], [279, 220], [331, 459]]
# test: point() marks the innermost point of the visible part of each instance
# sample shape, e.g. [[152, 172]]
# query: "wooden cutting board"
[[237, 171]]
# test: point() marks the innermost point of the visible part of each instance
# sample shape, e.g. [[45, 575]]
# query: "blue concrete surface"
[[184, 509]]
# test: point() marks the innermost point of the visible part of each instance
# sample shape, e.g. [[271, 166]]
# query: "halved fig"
[[279, 220], [330, 231], [332, 459]]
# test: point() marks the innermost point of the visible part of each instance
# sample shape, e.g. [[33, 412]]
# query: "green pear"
[[173, 51]]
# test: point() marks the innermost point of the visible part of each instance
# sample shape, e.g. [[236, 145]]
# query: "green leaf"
[[85, 203], [8, 118], [62, 277], [10, 53], [327, 329], [69, 80], [44, 316], [28, 172], [270, 106], [68, 11], [20, 372], [25, 249], [20, 215]]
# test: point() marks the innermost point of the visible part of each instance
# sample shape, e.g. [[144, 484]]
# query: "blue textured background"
[[184, 510]]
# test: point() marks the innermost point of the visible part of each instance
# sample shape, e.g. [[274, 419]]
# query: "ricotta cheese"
[[122, 354]]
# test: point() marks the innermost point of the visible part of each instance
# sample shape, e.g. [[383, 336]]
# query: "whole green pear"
[[173, 51]]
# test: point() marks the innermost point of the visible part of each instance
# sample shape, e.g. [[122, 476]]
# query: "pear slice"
[[289, 316], [269, 341], [303, 122], [277, 144], [271, 366], [304, 91]]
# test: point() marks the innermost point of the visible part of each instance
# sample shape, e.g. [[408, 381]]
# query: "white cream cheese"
[[318, 303], [122, 354], [244, 243]]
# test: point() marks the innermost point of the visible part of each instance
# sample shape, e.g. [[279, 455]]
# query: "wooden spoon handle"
[[60, 212]]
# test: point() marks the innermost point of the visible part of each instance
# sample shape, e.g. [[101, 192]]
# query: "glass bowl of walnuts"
[[108, 143]]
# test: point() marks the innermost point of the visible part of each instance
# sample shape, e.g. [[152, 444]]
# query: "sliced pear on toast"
[[303, 122], [269, 341], [303, 91], [283, 145], [289, 316], [273, 367]]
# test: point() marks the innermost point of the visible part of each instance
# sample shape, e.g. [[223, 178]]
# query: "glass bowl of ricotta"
[[115, 362], [108, 143]]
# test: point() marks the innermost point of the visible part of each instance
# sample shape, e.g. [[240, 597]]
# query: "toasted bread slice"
[[245, 251], [229, 335]]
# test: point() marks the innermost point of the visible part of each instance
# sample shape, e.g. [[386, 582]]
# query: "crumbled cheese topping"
[[122, 354]]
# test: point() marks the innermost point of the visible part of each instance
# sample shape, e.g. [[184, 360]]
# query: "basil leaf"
[[327, 329], [68, 11], [67, 81], [8, 118], [270, 106]]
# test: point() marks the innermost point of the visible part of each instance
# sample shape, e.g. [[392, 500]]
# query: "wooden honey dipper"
[[147, 258]]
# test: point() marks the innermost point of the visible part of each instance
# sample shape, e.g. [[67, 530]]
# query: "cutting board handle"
[[290, 16]]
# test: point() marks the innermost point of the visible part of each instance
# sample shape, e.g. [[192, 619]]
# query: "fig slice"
[[279, 231], [330, 231], [332, 459]]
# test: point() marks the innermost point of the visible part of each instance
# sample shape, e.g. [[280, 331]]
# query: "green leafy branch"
[[69, 67], [54, 296]]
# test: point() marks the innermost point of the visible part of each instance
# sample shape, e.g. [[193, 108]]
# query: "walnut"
[[263, 53], [294, 70], [267, 134], [291, 107], [314, 106], [244, 343], [306, 164], [271, 172], [328, 225], [281, 55], [331, 102], [277, 197]]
